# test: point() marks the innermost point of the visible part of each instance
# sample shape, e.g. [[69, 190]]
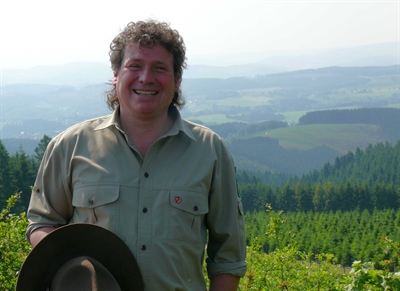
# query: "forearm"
[[224, 282], [38, 234]]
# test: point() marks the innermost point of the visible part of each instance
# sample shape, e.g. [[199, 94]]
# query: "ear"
[[115, 79], [177, 84]]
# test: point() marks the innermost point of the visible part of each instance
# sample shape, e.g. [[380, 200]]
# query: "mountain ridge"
[[241, 65]]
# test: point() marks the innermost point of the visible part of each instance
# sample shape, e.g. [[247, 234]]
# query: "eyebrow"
[[141, 60]]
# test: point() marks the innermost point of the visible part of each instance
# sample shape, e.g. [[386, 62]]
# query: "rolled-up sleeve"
[[50, 203], [226, 247]]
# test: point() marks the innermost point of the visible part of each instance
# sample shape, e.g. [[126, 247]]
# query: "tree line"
[[18, 173], [366, 179], [324, 197]]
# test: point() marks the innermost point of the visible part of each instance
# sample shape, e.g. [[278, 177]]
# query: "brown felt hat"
[[94, 256]]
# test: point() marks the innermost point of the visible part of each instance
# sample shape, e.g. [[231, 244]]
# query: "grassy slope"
[[341, 137]]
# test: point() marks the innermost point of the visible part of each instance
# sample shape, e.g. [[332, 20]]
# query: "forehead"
[[157, 53]]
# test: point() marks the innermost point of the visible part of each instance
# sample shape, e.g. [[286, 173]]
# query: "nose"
[[146, 76]]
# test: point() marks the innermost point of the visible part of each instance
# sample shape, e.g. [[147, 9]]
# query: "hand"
[[224, 282], [38, 234]]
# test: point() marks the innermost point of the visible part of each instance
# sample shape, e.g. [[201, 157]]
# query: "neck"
[[145, 132]]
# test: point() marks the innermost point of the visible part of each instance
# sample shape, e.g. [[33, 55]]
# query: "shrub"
[[13, 246]]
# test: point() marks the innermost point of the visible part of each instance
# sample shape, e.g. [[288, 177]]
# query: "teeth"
[[145, 92]]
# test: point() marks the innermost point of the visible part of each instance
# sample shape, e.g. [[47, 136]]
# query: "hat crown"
[[84, 274]]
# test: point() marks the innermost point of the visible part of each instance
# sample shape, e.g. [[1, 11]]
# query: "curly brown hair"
[[148, 33]]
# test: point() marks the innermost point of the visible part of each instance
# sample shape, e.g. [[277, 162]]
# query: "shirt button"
[[146, 175], [143, 247], [91, 201], [144, 210], [195, 208]]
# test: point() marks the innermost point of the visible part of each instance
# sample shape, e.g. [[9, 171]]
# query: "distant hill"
[[274, 146], [14, 145], [32, 110], [219, 66], [261, 109]]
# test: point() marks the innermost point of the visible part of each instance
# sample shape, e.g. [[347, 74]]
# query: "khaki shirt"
[[166, 207]]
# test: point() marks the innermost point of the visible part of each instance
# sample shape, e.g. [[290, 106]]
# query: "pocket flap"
[[90, 197], [192, 202]]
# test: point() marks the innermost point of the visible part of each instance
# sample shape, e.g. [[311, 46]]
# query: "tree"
[[6, 186], [23, 174], [41, 148]]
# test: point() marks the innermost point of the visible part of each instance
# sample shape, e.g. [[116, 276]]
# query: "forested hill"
[[367, 179], [376, 164]]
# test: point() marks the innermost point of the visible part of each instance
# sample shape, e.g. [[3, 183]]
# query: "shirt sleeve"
[[50, 203], [226, 247]]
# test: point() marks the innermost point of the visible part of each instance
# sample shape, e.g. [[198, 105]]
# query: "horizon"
[[59, 32]]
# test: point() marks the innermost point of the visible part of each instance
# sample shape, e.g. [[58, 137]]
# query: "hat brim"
[[75, 240]]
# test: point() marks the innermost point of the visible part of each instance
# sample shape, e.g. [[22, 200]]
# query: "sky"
[[39, 32]]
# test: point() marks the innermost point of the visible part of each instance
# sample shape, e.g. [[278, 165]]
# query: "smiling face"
[[145, 83]]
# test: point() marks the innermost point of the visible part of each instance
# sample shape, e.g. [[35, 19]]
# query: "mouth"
[[145, 93]]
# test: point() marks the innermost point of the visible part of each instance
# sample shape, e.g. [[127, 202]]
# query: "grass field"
[[342, 137]]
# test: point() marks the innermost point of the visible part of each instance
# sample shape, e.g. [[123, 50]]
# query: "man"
[[166, 186]]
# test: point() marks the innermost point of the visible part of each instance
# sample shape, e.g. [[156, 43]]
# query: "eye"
[[134, 66], [161, 68]]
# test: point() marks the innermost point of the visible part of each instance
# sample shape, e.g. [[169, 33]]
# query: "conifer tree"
[[6, 185]]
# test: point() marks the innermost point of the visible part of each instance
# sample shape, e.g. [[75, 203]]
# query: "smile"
[[149, 93]]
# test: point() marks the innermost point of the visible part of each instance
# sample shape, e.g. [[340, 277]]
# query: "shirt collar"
[[179, 123], [111, 120]]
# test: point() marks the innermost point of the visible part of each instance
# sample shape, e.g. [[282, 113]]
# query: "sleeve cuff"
[[236, 269]]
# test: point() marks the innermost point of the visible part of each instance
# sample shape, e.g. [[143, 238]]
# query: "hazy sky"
[[38, 32]]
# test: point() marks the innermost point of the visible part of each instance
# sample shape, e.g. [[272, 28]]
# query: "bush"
[[13, 246]]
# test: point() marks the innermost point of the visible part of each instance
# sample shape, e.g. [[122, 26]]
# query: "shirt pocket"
[[96, 205], [187, 214]]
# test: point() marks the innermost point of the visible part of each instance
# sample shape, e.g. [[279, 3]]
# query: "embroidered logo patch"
[[178, 199]]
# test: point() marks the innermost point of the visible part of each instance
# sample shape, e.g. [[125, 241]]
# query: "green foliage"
[[349, 236], [364, 180], [322, 197], [41, 148], [13, 246], [18, 172], [364, 276], [287, 268], [376, 164]]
